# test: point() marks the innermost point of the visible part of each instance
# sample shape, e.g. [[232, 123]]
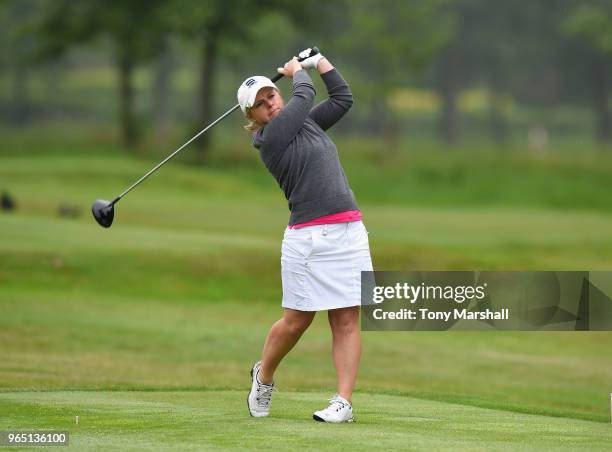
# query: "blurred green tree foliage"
[[541, 53], [388, 41], [592, 22], [16, 54], [136, 28]]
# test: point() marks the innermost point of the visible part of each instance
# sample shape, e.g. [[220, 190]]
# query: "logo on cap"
[[250, 82]]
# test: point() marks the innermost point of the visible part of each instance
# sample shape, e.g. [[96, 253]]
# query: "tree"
[[135, 28], [389, 41], [480, 49], [592, 23], [16, 47]]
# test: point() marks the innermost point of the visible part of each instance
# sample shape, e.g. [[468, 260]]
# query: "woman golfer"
[[325, 246]]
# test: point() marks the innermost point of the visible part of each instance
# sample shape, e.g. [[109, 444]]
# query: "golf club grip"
[[314, 51]]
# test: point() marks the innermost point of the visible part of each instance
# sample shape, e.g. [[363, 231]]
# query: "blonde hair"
[[252, 125]]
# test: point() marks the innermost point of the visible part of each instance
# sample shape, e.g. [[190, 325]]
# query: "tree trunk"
[[376, 117], [449, 91], [20, 108], [207, 80], [497, 122], [600, 98], [129, 133], [161, 87], [391, 130]]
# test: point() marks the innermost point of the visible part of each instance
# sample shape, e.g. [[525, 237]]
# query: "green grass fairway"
[[147, 330], [196, 420]]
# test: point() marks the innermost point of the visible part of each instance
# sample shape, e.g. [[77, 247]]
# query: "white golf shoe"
[[260, 395], [339, 410]]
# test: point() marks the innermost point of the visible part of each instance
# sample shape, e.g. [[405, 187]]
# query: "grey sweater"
[[300, 155]]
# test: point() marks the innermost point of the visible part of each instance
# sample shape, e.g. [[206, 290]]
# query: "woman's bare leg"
[[346, 348], [283, 335]]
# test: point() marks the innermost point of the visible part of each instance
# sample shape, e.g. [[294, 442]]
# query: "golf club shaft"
[[163, 162], [160, 164]]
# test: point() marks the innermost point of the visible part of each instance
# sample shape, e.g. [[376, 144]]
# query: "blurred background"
[[446, 73], [480, 139]]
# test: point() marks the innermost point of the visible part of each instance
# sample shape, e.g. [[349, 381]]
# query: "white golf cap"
[[249, 89]]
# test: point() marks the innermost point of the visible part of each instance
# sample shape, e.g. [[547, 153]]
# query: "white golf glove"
[[310, 62]]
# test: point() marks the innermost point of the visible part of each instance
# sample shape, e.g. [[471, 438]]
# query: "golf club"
[[104, 211]]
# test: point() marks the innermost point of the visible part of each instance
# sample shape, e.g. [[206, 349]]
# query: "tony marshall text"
[[426, 314]]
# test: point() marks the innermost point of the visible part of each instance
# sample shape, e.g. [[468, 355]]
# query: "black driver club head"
[[103, 211]]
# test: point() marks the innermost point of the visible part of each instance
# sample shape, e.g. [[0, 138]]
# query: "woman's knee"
[[298, 321], [344, 321]]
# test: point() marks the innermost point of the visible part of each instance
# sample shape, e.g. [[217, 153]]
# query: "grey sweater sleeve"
[[328, 112], [301, 157], [279, 132]]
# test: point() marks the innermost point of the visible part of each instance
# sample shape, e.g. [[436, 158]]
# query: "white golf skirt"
[[321, 266]]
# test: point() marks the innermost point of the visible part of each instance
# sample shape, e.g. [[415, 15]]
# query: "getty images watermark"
[[434, 301]]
